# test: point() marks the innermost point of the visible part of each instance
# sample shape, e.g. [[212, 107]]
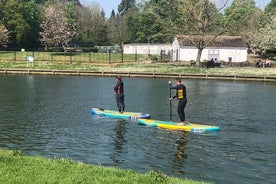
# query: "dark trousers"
[[180, 110], [120, 99]]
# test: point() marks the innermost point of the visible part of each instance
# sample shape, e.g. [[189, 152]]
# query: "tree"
[[4, 35], [113, 29], [200, 17], [92, 25], [265, 36], [33, 19], [56, 31], [271, 7], [158, 22], [14, 21], [245, 19], [133, 26], [121, 26], [204, 22], [77, 2], [22, 18], [125, 5]]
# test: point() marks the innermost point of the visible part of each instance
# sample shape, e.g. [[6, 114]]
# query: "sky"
[[108, 5]]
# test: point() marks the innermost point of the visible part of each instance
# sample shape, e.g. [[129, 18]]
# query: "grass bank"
[[18, 168], [172, 67]]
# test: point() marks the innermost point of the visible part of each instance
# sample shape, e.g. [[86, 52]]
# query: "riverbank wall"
[[137, 74]]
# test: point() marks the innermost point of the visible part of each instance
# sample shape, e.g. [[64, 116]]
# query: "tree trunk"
[[199, 52]]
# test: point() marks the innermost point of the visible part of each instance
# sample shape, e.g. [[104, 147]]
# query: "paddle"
[[170, 103]]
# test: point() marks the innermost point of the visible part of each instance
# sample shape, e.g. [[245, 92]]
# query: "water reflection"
[[120, 131], [181, 143], [119, 141]]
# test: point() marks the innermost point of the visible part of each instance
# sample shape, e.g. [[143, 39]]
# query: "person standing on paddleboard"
[[182, 100], [119, 94]]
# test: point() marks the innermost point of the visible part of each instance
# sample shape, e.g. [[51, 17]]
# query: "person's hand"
[[171, 98]]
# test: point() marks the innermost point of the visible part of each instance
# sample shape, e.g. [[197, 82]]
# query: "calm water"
[[50, 116]]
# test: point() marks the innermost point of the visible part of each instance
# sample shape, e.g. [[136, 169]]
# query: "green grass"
[[76, 57], [18, 168], [113, 63], [141, 67]]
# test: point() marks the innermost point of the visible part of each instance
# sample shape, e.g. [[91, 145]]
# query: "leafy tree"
[[271, 7], [121, 27], [37, 1], [4, 35], [77, 2], [92, 26], [264, 37], [71, 15], [158, 21], [56, 31], [23, 22], [150, 29], [15, 22], [125, 5], [243, 17], [270, 10], [33, 19], [200, 17], [111, 25], [133, 26]]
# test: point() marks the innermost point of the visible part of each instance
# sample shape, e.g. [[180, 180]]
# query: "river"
[[50, 116]]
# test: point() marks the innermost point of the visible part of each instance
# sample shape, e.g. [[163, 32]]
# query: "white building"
[[146, 48], [223, 48]]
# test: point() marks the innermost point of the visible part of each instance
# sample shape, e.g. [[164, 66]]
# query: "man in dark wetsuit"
[[182, 100], [119, 94]]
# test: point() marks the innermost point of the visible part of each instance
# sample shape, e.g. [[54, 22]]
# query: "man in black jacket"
[[119, 94], [182, 100]]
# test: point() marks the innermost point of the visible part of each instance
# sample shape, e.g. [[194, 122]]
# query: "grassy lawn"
[[17, 168], [141, 67], [113, 63], [76, 57]]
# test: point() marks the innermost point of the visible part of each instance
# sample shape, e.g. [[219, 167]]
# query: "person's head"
[[177, 81], [118, 78]]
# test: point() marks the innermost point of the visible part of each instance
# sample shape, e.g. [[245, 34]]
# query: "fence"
[[105, 57], [74, 57]]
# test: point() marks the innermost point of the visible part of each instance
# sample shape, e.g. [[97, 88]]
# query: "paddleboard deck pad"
[[190, 127], [116, 114]]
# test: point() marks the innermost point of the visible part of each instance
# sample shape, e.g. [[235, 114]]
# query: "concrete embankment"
[[138, 74]]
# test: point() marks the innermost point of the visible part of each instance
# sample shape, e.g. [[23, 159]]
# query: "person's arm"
[[116, 87], [172, 87]]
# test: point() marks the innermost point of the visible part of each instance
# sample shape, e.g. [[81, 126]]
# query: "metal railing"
[[73, 57]]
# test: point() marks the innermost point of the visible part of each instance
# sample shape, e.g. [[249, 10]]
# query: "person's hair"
[[119, 78], [178, 80]]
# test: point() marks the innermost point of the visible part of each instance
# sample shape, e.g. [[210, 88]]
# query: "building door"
[[175, 54]]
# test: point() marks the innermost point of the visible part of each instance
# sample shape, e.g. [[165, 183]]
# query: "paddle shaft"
[[170, 103]]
